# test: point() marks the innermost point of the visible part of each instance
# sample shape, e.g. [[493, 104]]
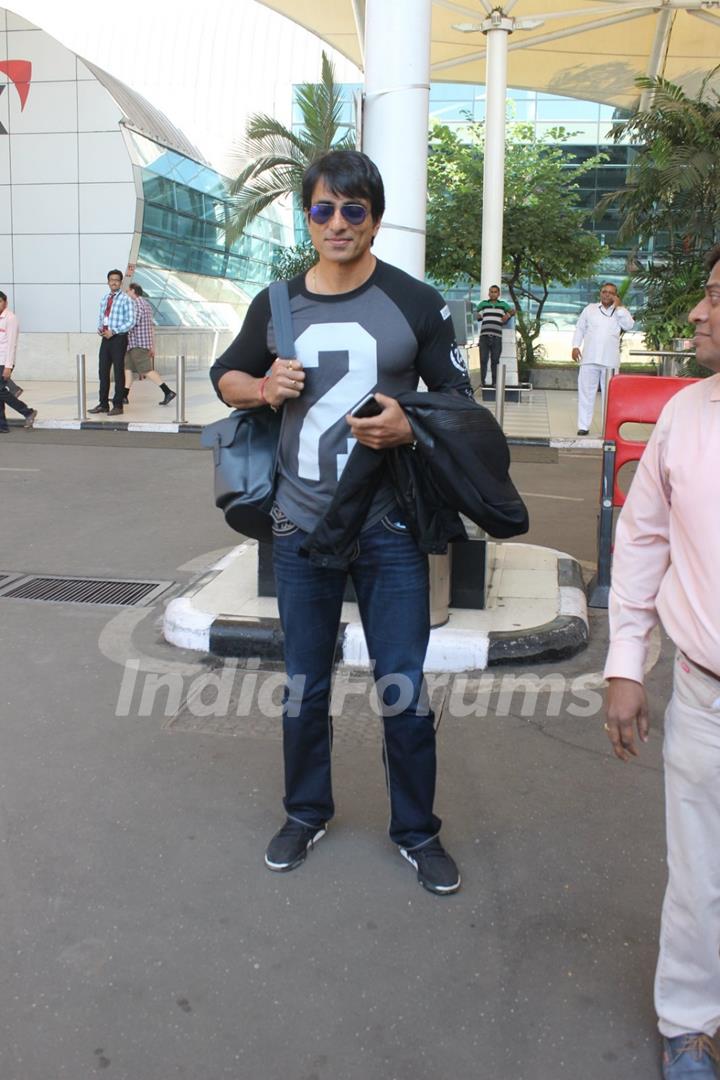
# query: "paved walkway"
[[541, 414], [143, 937]]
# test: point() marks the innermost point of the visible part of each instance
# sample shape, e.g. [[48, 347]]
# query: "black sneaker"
[[583, 431], [100, 409], [436, 870], [290, 845], [170, 396]]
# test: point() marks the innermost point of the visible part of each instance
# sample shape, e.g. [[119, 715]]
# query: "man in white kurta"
[[596, 348]]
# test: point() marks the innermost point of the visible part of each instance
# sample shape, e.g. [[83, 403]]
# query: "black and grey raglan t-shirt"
[[386, 335]]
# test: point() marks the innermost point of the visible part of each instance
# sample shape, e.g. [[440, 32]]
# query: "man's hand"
[[577, 355], [107, 333], [7, 373], [626, 705], [389, 428], [286, 380]]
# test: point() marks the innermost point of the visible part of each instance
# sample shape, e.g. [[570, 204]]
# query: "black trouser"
[[490, 349], [6, 398], [112, 355]]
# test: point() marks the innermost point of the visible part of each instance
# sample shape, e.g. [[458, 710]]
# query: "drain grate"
[[77, 590]]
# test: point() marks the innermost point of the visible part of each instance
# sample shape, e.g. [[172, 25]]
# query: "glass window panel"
[[566, 110], [440, 92], [158, 189], [189, 201], [576, 133], [156, 250], [453, 113], [161, 221]]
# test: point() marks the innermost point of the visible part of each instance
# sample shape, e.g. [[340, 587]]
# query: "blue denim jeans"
[[390, 576]]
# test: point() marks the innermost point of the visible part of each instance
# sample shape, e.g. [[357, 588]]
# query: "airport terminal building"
[[93, 177]]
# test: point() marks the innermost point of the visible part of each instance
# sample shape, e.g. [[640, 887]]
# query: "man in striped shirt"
[[492, 315], [115, 317], [141, 347]]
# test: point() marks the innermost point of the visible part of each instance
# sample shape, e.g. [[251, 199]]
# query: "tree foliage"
[[289, 262], [545, 238], [673, 184], [671, 198], [279, 156]]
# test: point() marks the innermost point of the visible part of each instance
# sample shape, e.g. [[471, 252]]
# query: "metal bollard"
[[81, 387], [500, 394], [180, 383]]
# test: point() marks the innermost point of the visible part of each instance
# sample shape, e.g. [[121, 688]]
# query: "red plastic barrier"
[[635, 399]]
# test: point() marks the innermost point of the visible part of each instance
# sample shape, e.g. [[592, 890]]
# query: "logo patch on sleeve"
[[445, 312], [458, 359]]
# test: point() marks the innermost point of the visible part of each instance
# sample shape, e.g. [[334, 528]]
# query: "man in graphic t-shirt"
[[361, 326], [492, 315]]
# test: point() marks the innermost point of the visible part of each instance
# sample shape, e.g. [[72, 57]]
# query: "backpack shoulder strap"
[[282, 319]]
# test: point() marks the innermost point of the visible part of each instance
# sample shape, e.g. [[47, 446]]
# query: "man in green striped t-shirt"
[[492, 315]]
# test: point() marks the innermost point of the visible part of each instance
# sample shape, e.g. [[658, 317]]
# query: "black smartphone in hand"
[[369, 406]]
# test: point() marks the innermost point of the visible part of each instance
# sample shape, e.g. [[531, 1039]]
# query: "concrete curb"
[[173, 428], [168, 428], [450, 649]]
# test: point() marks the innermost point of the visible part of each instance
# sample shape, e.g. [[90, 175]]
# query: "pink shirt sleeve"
[[12, 330], [640, 561]]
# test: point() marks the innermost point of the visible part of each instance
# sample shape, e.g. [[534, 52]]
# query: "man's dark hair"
[[712, 257], [611, 284], [494, 287], [137, 289], [3, 296], [118, 272], [347, 173]]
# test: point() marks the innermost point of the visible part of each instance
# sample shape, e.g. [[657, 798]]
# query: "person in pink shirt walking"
[[9, 331], [666, 566]]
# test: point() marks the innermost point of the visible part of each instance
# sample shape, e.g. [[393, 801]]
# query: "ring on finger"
[[606, 726]]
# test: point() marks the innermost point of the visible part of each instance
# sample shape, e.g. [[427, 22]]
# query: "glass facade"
[[587, 125], [191, 276]]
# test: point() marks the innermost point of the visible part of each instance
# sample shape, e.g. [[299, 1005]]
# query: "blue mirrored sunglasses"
[[354, 213]]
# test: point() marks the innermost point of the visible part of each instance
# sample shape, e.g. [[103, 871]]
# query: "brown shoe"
[[116, 410], [30, 418]]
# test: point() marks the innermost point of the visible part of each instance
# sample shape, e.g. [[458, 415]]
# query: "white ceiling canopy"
[[580, 48]]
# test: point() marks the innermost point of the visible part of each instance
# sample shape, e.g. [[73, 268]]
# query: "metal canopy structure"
[[590, 49]]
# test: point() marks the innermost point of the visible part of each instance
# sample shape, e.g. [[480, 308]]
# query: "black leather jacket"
[[459, 464]]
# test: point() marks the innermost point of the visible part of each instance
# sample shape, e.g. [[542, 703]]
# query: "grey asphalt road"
[[142, 937]]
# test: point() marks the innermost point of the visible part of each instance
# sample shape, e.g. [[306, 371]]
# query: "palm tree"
[[280, 156]]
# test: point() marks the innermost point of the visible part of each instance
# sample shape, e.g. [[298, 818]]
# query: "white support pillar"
[[395, 123], [497, 30]]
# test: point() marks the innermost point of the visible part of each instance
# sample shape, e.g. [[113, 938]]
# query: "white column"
[[497, 30], [395, 123]]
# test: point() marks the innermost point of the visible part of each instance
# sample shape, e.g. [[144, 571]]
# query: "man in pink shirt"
[[667, 566], [9, 330]]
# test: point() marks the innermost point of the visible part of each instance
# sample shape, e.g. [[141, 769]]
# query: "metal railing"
[[81, 386], [180, 397], [500, 394]]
